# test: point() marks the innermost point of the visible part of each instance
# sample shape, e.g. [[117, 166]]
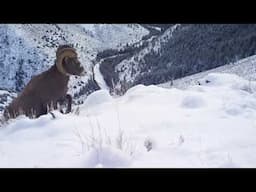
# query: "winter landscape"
[[168, 96]]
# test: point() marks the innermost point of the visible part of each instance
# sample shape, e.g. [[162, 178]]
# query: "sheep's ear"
[[64, 63], [61, 66], [61, 55]]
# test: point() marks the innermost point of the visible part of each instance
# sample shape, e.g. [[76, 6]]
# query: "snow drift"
[[208, 125]]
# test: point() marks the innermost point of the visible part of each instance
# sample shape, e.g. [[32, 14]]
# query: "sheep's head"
[[67, 61]]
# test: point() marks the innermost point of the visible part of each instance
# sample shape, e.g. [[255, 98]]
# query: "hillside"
[[176, 51]]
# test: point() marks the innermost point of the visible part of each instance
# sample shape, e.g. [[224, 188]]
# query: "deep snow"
[[207, 125]]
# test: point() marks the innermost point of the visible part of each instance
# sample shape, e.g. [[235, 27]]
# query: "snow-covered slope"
[[178, 50], [115, 35], [245, 68], [207, 125]]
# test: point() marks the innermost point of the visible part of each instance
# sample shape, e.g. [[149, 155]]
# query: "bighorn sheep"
[[48, 89]]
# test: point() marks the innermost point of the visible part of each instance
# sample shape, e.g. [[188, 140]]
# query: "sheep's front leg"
[[66, 101], [69, 99]]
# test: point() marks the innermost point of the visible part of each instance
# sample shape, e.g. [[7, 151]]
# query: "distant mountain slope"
[[178, 51], [245, 68]]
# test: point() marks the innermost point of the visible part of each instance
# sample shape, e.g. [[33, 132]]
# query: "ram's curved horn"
[[61, 54]]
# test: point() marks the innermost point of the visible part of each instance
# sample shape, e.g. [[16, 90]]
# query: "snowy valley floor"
[[211, 125]]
